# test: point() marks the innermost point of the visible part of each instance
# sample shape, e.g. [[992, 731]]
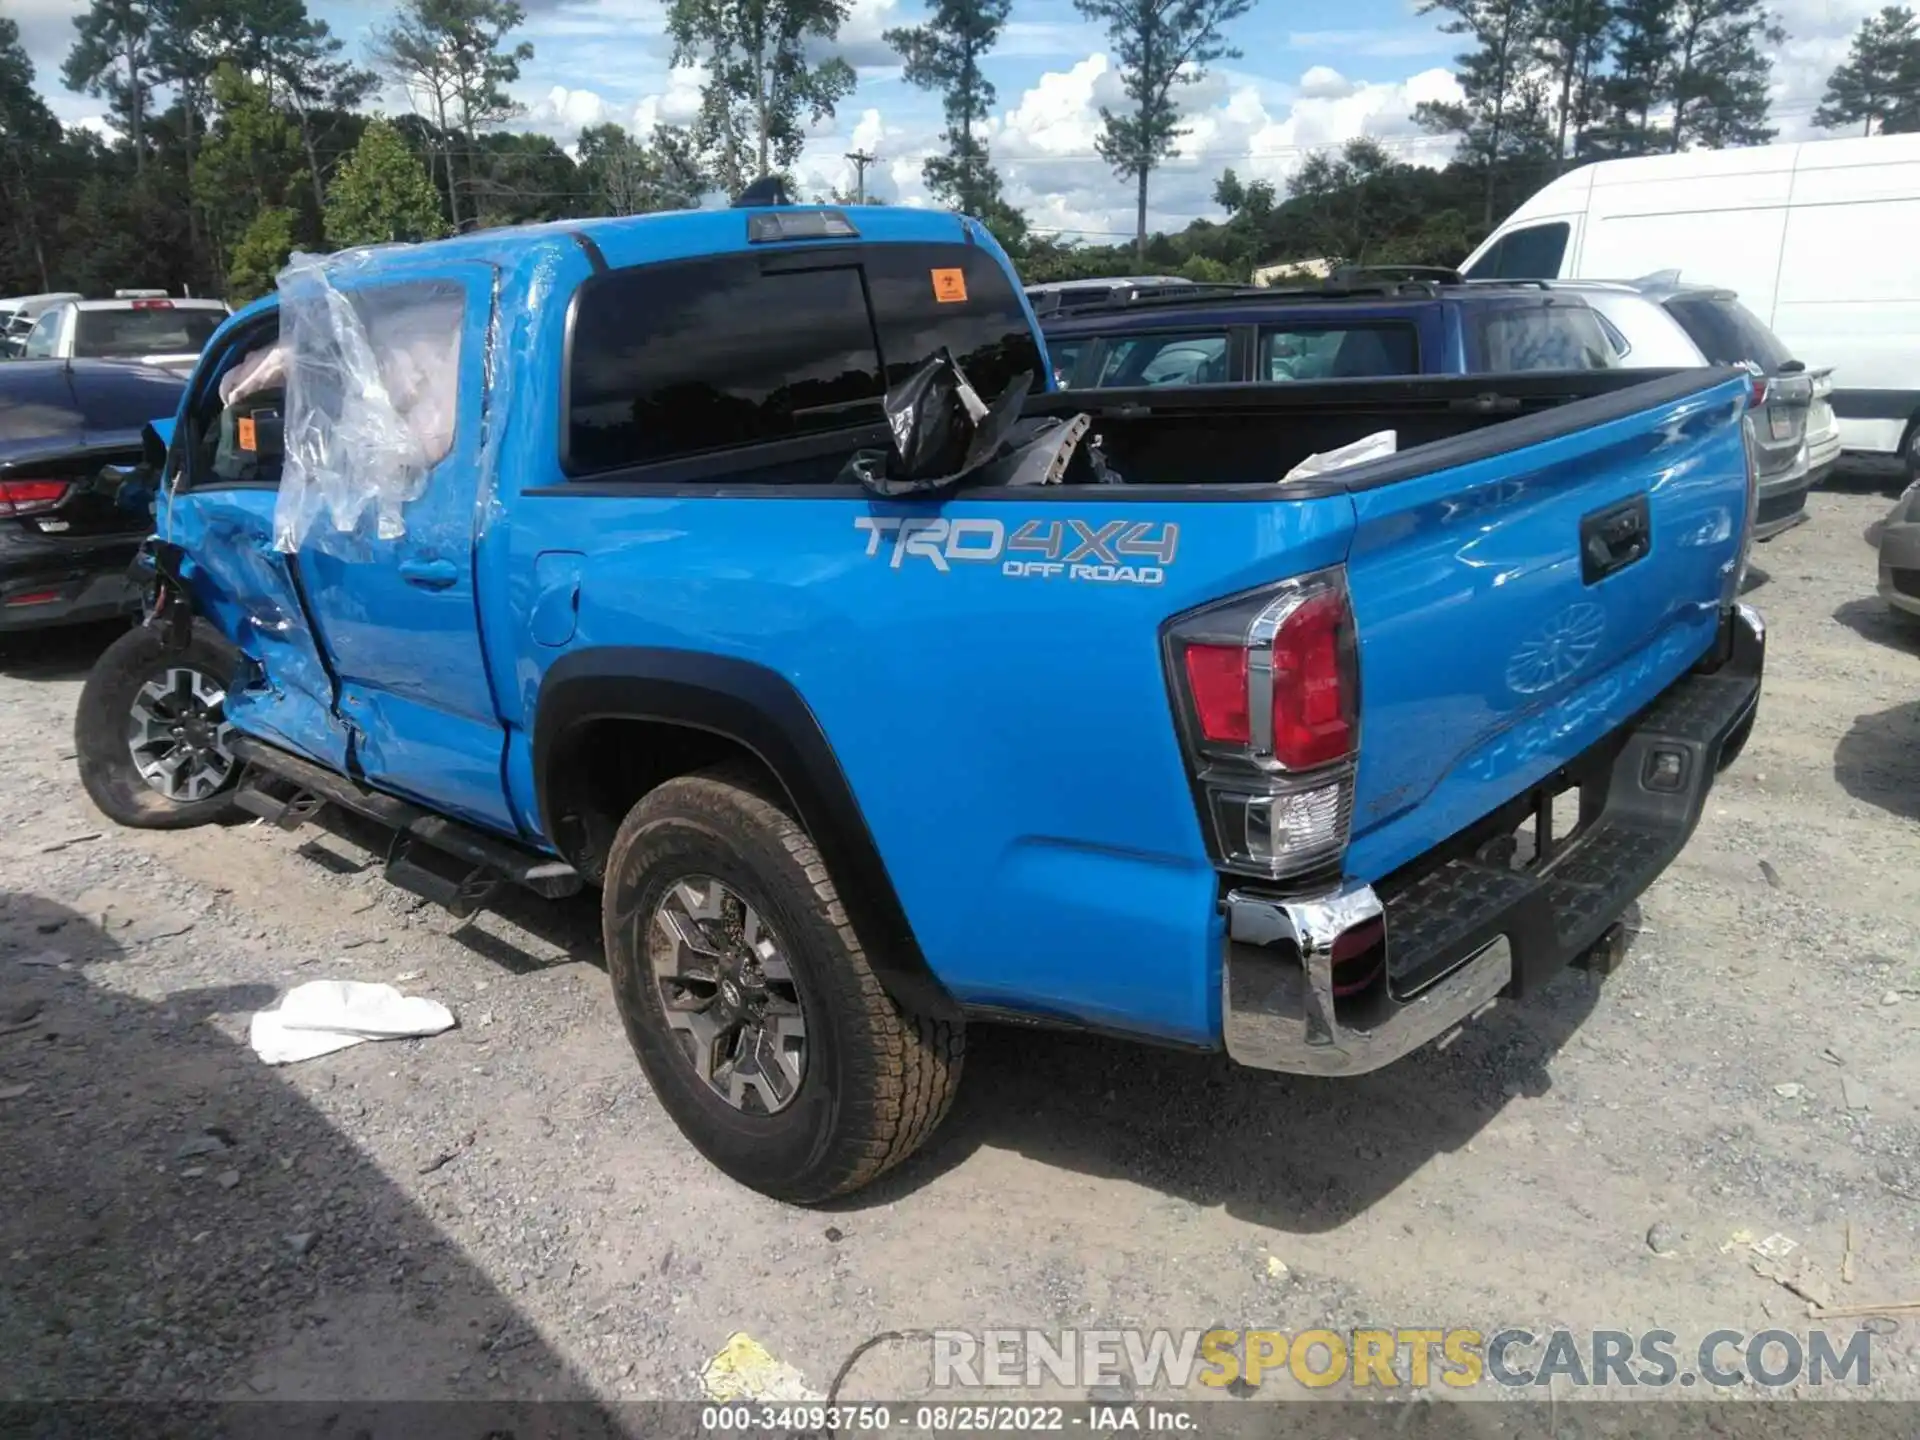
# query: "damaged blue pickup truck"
[[591, 556]]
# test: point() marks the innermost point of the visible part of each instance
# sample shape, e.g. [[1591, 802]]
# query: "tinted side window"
[[981, 322], [1511, 338], [1326, 353], [1189, 359], [672, 360], [1534, 253], [1727, 332]]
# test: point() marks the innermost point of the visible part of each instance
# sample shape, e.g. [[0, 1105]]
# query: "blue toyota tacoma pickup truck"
[[542, 547]]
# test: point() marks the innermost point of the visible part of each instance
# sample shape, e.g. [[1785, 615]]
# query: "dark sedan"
[[66, 541]]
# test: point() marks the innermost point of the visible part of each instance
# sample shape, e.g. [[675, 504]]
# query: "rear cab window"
[[1337, 352], [684, 359], [152, 329]]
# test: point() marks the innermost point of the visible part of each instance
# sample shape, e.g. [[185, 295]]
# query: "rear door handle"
[[1614, 538], [429, 574]]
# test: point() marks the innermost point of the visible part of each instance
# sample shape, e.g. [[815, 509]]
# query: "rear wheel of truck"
[[749, 1002], [151, 731]]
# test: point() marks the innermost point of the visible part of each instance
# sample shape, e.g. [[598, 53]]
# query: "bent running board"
[[313, 786]]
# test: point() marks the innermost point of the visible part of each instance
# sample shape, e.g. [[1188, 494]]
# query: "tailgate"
[[1553, 577]]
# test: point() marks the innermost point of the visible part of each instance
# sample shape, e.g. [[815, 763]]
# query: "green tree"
[[1571, 46], [381, 193], [945, 54], [624, 177], [1717, 82], [1254, 202], [260, 254], [523, 177], [29, 136], [453, 59], [1161, 46], [1636, 83], [249, 164], [762, 87], [1879, 82], [1498, 117], [113, 58], [320, 88]]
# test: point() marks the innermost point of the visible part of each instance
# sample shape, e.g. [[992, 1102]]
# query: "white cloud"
[[1323, 82], [677, 104], [1044, 145]]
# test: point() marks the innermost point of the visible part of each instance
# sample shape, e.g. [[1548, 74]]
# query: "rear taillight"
[[1267, 689], [1217, 680], [24, 497], [1312, 699], [153, 304]]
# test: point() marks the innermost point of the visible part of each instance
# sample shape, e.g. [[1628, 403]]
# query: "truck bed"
[[1253, 434]]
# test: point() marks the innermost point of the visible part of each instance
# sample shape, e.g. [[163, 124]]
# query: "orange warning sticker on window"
[[950, 286], [248, 433]]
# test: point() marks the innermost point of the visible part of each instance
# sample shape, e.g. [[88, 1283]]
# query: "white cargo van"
[[1821, 240]]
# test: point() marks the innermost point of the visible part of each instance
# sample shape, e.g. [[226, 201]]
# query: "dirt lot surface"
[[504, 1210]]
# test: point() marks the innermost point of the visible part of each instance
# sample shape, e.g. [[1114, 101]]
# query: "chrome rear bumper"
[[1282, 1016], [1346, 982]]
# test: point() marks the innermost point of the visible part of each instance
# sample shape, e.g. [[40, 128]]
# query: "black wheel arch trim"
[[760, 710]]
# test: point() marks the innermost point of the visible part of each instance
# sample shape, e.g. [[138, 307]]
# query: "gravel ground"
[[504, 1211]]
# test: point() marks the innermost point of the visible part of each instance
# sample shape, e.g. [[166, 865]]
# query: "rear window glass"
[[684, 359], [1534, 253], [1727, 332], [1510, 338], [129, 334], [1198, 358], [1322, 353]]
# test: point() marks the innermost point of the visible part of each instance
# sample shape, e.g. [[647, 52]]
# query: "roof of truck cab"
[[622, 241]]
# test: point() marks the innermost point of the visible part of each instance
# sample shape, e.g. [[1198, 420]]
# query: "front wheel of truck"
[[750, 1003], [150, 731]]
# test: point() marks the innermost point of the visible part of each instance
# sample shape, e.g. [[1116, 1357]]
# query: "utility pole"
[[861, 160]]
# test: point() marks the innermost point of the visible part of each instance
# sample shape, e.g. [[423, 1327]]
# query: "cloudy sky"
[[1312, 73]]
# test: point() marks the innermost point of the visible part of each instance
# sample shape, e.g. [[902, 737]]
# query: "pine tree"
[[1500, 117], [1717, 83], [1161, 45], [1878, 86], [113, 57], [381, 194], [945, 54]]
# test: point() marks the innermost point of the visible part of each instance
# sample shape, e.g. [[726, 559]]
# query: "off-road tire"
[[100, 729], [877, 1080]]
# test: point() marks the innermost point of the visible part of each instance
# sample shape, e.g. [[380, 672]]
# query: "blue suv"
[[1350, 329]]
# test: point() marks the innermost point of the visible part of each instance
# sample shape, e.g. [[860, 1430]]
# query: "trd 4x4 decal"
[[1104, 551]]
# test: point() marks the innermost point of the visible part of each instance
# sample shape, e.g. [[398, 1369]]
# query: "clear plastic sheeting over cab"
[[372, 391]]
